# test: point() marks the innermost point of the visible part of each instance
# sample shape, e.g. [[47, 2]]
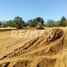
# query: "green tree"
[[34, 22], [9, 23], [30, 23], [19, 22], [0, 23], [39, 20], [50, 23], [3, 24], [65, 23], [62, 21], [57, 23]]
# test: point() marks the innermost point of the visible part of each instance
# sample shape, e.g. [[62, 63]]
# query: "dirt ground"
[[29, 48]]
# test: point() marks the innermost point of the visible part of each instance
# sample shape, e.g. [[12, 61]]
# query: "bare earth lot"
[[32, 49]]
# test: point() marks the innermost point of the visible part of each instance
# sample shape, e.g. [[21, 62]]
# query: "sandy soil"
[[30, 48]]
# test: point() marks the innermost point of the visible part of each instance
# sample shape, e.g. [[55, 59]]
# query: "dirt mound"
[[19, 63], [46, 63], [35, 50], [55, 34]]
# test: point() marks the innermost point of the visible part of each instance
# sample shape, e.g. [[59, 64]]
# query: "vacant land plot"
[[33, 48]]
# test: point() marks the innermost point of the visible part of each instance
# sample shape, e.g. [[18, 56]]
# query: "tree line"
[[19, 23]]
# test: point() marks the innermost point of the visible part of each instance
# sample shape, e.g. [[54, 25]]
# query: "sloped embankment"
[[38, 52]]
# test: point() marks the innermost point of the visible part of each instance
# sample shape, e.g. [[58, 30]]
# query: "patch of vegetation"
[[37, 22]]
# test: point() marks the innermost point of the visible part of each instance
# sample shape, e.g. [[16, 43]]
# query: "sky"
[[29, 9]]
